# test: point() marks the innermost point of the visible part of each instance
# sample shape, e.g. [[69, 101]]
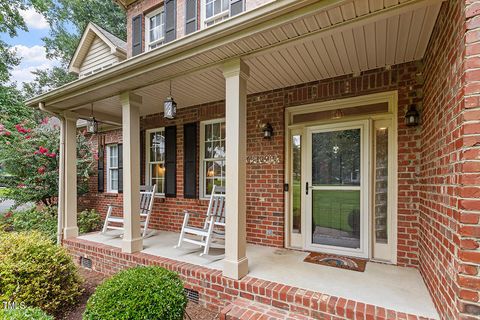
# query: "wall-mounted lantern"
[[92, 123], [412, 117], [170, 106], [267, 131]]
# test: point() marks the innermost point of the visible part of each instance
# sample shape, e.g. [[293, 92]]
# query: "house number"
[[263, 159]]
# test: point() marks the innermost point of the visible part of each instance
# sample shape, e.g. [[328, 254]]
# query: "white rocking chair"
[[212, 235], [147, 196]]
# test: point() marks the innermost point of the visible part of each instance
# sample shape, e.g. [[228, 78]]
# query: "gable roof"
[[118, 47]]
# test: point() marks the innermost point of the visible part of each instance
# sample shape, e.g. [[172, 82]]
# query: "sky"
[[30, 47]]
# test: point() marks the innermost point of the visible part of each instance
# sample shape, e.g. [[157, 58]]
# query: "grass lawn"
[[331, 208]]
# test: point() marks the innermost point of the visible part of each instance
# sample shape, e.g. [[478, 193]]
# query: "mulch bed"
[[93, 279]]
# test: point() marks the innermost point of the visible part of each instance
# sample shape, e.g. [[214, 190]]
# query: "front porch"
[[277, 277]]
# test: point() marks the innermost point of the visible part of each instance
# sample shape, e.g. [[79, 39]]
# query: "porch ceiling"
[[312, 42]]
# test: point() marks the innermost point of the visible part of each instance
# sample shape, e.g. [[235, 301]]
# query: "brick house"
[[342, 173]]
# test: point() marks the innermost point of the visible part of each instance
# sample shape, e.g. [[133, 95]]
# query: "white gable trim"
[[88, 37]]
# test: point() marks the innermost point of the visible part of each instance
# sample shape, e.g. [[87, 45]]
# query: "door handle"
[[306, 188]]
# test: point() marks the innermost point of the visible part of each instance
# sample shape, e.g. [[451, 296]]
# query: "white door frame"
[[363, 251], [383, 253]]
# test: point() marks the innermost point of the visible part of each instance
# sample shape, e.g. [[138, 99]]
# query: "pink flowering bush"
[[29, 153]]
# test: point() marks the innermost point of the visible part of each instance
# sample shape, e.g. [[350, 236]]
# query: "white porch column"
[[70, 188], [132, 239], [236, 73]]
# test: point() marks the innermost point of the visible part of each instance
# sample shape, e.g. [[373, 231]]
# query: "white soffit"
[[355, 36]]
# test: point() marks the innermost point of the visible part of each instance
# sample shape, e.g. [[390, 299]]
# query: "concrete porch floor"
[[398, 288]]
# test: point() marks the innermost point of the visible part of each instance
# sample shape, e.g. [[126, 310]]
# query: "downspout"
[[61, 173]]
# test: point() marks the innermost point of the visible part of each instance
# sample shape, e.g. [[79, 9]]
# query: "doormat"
[[332, 260]]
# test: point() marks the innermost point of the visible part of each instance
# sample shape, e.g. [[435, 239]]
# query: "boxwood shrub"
[[24, 314], [36, 272], [138, 293]]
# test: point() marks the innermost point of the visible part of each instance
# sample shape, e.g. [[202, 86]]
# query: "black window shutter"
[[170, 20], [236, 7], [171, 161], [120, 168], [137, 35], [100, 167], [190, 160], [191, 16]]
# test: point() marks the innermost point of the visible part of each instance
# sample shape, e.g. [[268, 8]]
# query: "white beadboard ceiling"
[[349, 38]]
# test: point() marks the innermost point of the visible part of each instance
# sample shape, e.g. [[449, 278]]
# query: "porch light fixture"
[[412, 117], [337, 114], [92, 123], [267, 131], [170, 106]]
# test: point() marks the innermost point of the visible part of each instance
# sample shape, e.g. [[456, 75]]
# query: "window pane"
[[336, 218], [296, 183], [157, 146], [157, 27], [222, 130], [114, 179], [113, 156], [208, 150], [336, 158], [381, 185], [214, 144], [208, 132], [218, 6], [225, 5], [209, 9], [158, 170], [216, 131]]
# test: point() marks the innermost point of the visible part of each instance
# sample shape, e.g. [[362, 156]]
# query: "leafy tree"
[[46, 80], [68, 19], [29, 152]]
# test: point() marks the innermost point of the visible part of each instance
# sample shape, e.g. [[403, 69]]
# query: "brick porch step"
[[243, 309]]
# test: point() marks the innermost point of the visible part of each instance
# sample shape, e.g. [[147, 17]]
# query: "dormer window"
[[155, 28], [216, 11]]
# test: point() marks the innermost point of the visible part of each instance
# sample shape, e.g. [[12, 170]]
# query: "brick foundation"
[[216, 291]]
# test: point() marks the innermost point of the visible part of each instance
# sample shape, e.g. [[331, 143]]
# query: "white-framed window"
[[212, 155], [155, 159], [214, 11], [155, 28], [112, 168]]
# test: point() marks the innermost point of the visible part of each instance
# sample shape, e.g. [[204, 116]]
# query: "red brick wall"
[[145, 6], [449, 204], [265, 197]]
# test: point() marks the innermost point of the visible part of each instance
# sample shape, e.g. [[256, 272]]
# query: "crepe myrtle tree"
[[29, 156]]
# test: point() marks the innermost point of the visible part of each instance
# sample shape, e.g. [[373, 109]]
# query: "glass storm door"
[[337, 189]]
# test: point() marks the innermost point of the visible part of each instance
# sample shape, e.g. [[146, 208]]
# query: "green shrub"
[[36, 272], [24, 314], [44, 220], [89, 221], [138, 293]]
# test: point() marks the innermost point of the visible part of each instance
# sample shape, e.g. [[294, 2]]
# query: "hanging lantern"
[[92, 123], [412, 117], [267, 131], [170, 106]]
